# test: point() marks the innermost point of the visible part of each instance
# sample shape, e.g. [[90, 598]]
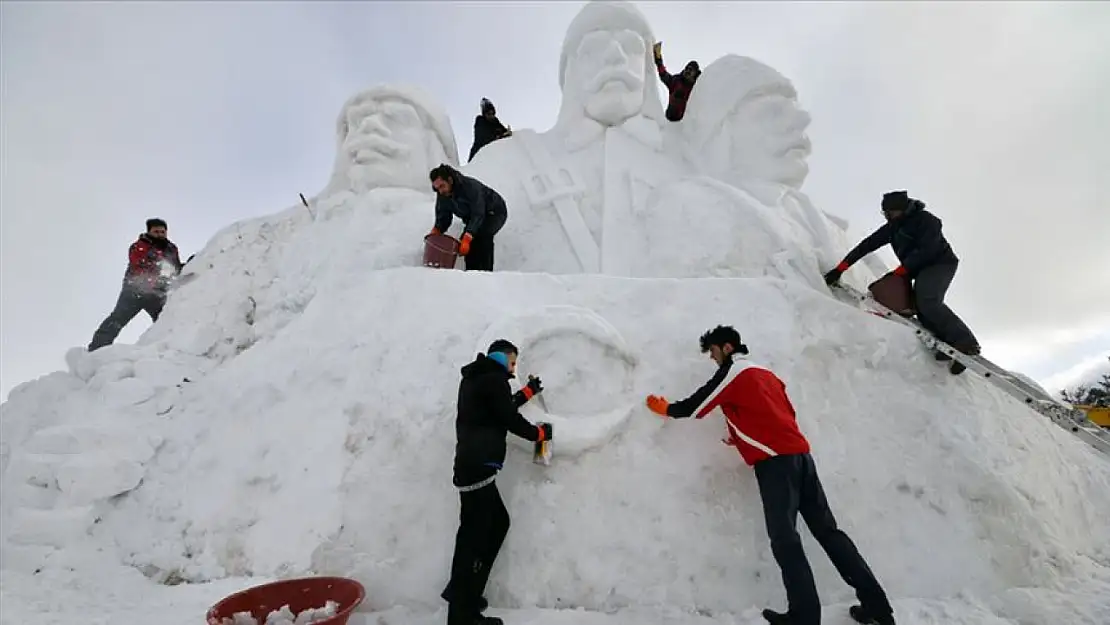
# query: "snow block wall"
[[292, 411]]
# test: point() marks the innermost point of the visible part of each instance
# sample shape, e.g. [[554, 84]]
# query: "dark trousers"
[[483, 525], [789, 485], [480, 257], [130, 303], [929, 288]]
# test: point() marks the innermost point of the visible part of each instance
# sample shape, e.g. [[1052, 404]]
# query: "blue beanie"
[[499, 357]]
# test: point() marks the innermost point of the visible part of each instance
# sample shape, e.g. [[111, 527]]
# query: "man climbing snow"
[[761, 425], [487, 411], [678, 87], [487, 128], [927, 259], [153, 261], [481, 209]]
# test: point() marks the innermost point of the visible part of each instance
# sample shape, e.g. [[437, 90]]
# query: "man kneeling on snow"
[[153, 261], [762, 426], [487, 411]]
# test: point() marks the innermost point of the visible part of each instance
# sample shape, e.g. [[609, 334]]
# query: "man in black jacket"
[[481, 209], [487, 411], [487, 128], [927, 259]]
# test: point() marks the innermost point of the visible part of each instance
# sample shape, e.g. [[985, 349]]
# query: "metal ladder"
[[1067, 417]]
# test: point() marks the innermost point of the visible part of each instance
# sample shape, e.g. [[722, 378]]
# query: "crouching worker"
[[761, 425], [481, 209], [916, 237], [678, 87], [487, 128], [153, 261], [487, 411]]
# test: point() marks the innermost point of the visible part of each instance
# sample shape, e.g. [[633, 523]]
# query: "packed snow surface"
[[291, 413]]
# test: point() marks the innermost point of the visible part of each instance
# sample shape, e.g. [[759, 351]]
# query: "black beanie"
[[896, 200]]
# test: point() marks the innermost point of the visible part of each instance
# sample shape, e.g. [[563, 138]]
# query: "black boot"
[[942, 357], [777, 618], [867, 617], [956, 368]]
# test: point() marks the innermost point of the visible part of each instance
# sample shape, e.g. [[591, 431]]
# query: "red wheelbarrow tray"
[[299, 594]]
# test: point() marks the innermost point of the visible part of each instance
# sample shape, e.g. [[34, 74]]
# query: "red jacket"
[[148, 261], [760, 418]]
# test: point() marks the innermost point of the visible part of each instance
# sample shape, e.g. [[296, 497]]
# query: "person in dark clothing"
[[153, 261], [487, 129], [678, 87], [926, 258], [761, 425], [487, 411], [481, 209]]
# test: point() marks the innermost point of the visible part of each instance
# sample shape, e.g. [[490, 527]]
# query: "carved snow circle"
[[587, 369]]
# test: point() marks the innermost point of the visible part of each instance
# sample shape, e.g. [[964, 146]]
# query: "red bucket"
[[441, 251], [299, 594]]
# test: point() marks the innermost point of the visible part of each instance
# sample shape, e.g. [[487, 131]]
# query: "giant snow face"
[[386, 144], [768, 140], [607, 71]]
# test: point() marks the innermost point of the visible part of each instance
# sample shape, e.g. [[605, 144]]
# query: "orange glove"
[[435, 231], [899, 271], [658, 405], [464, 244]]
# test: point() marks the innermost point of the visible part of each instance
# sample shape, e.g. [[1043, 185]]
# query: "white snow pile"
[[291, 413], [286, 616]]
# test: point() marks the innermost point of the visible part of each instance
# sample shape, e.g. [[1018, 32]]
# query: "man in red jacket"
[[153, 261], [762, 427], [679, 86]]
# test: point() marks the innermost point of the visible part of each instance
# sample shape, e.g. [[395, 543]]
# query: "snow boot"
[[956, 368], [942, 357], [777, 618], [867, 617]]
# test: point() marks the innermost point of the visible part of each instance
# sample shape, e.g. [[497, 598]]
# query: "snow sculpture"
[[586, 173], [744, 127], [390, 136], [587, 370]]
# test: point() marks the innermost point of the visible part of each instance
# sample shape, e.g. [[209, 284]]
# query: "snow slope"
[[291, 413]]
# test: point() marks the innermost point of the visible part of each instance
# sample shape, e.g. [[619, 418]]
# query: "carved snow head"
[[390, 136], [743, 125], [606, 70]]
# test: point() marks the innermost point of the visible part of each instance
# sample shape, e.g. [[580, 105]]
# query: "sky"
[[206, 113]]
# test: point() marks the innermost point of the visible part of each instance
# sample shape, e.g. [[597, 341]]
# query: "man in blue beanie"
[[487, 411]]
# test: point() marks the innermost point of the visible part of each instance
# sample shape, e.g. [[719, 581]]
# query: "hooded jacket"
[[916, 239], [486, 131], [481, 208], [759, 417], [487, 412]]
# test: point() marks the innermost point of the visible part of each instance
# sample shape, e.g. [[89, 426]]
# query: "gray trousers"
[[929, 289], [130, 303]]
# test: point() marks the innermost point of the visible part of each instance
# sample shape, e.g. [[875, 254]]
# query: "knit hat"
[[895, 200]]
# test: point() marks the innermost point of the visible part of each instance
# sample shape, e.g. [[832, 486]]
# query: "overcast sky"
[[204, 113]]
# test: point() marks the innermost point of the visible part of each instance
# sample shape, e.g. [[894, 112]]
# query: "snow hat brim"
[[431, 114]]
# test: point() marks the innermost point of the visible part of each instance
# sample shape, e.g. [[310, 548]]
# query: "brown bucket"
[[440, 251], [895, 292]]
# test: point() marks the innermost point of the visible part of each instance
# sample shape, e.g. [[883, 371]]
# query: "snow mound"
[[291, 412]]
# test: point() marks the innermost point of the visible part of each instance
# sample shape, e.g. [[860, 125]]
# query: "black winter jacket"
[[486, 131], [481, 208], [487, 411], [916, 238]]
